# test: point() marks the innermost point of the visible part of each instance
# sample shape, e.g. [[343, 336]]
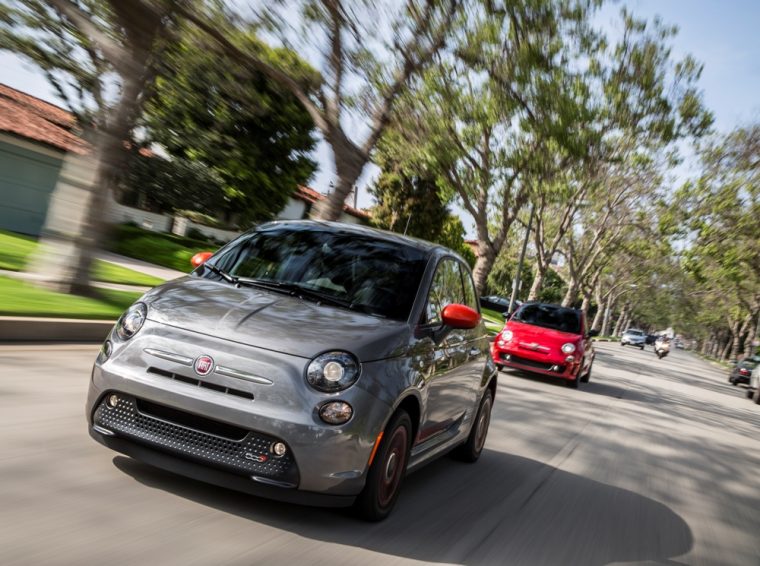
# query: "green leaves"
[[249, 132]]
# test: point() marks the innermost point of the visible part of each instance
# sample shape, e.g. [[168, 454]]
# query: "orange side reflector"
[[374, 450]]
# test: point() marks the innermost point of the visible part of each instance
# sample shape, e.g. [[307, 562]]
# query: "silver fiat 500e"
[[309, 362]]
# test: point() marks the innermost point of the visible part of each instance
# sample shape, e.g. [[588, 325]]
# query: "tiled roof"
[[310, 196], [35, 119]]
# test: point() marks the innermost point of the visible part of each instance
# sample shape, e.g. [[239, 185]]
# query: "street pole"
[[516, 280]]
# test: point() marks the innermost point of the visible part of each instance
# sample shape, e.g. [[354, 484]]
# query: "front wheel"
[[471, 449], [756, 395], [574, 383], [387, 471], [587, 376]]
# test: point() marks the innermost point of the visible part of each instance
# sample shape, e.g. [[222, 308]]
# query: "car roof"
[[359, 230]]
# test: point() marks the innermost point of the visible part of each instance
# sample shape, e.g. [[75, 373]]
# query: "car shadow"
[[505, 506]]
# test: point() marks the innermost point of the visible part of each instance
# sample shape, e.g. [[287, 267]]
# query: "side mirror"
[[507, 315], [593, 332], [460, 316], [200, 258]]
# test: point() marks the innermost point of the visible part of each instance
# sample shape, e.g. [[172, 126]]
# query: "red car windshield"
[[549, 316]]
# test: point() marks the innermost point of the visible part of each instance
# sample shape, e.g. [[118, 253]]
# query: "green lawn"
[[18, 298], [15, 251], [494, 320], [161, 249]]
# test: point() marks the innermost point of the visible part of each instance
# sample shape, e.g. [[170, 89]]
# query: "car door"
[[448, 391]]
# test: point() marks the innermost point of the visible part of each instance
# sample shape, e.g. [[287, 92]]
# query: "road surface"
[[653, 462]]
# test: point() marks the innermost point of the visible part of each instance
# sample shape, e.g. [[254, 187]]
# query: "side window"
[[470, 297], [445, 290]]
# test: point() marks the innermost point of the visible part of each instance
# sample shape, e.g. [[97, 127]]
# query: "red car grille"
[[531, 363]]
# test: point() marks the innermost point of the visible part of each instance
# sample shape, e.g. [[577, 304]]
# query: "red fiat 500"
[[546, 339]]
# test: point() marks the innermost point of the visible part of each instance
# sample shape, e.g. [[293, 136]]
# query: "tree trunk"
[[621, 319], [538, 281], [74, 222], [607, 316], [754, 332], [483, 265], [571, 295], [601, 313], [349, 164]]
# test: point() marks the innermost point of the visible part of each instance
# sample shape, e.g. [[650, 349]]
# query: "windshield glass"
[[344, 268], [635, 332], [549, 316]]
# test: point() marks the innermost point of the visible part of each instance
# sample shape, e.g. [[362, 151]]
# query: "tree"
[[250, 132], [640, 103], [87, 49], [408, 203], [480, 117], [718, 212], [411, 204], [168, 185], [370, 54]]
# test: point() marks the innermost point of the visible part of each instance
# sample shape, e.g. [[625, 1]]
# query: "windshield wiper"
[[295, 289], [221, 273]]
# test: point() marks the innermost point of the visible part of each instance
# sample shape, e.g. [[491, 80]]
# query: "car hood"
[[544, 336], [274, 321]]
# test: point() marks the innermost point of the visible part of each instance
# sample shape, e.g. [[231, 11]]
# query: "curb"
[[34, 329]]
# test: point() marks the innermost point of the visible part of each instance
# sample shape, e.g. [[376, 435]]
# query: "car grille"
[[531, 363], [196, 438], [200, 383]]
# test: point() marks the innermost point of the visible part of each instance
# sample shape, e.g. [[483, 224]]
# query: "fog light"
[[278, 449], [570, 359], [336, 412], [113, 400]]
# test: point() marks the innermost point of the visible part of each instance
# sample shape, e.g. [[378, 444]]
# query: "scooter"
[[662, 348]]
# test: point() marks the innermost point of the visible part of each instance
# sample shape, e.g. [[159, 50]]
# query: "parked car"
[[307, 362], [546, 339], [496, 303], [741, 372], [633, 337], [753, 388]]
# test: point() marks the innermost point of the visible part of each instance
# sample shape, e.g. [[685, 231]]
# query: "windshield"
[[549, 316], [336, 267], [635, 332]]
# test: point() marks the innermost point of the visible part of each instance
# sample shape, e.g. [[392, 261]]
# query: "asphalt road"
[[653, 462]]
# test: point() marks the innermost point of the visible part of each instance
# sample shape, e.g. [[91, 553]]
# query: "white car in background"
[[633, 337]]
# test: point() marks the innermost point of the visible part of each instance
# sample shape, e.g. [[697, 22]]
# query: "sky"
[[722, 34]]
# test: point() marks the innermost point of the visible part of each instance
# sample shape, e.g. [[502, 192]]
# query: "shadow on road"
[[503, 509]]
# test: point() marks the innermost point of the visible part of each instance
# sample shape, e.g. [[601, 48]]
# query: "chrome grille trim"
[[229, 372], [169, 356]]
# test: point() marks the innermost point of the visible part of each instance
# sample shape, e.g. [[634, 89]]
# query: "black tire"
[[756, 395], [642, 347], [622, 344], [749, 393], [574, 383], [734, 383], [587, 376], [388, 469], [499, 367], [470, 451]]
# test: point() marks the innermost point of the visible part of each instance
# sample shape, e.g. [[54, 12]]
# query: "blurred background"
[[621, 151]]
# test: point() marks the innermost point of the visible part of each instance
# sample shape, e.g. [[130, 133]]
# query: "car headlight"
[[333, 371], [568, 348], [506, 336], [131, 321]]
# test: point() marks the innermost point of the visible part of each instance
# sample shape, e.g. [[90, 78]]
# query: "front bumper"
[[326, 459], [215, 476], [556, 366]]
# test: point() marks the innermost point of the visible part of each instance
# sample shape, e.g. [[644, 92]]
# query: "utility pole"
[[516, 281]]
